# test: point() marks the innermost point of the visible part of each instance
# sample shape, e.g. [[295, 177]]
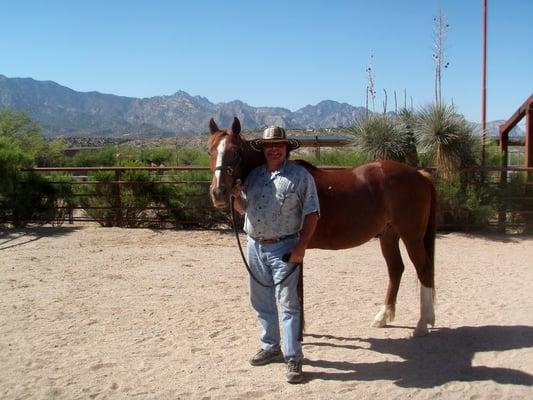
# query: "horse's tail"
[[431, 232]]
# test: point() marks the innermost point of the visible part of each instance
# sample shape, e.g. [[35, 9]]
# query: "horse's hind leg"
[[425, 271], [389, 242]]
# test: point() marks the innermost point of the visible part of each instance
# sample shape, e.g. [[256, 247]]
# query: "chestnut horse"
[[382, 199]]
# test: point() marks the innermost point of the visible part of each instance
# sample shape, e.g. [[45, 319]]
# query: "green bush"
[[517, 200], [463, 203], [333, 157], [151, 200], [104, 157], [37, 199]]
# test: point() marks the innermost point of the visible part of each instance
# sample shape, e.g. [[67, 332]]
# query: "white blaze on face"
[[220, 154]]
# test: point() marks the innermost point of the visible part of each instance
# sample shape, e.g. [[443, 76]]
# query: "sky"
[[277, 53]]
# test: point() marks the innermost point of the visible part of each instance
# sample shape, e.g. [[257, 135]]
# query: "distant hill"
[[65, 112], [493, 129]]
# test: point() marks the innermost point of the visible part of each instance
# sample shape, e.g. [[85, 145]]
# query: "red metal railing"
[[195, 210], [515, 209]]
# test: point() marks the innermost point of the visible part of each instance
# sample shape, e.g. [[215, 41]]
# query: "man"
[[281, 205]]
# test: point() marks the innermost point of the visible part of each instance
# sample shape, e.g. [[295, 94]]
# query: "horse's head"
[[225, 160]]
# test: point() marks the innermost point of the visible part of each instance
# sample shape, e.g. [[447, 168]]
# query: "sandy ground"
[[95, 313]]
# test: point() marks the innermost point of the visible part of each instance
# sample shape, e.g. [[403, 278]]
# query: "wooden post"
[[528, 155], [529, 137]]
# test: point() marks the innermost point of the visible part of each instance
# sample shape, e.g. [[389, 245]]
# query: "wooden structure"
[[525, 110]]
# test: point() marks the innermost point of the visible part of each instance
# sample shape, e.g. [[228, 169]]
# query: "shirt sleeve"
[[309, 194]]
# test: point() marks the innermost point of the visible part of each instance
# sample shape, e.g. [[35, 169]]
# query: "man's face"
[[275, 152]]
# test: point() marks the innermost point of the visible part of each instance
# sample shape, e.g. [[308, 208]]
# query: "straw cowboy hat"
[[274, 134]]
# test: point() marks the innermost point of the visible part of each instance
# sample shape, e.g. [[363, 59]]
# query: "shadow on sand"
[[18, 237], [443, 356]]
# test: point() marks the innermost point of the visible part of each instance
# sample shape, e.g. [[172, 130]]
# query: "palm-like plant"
[[381, 137], [447, 136]]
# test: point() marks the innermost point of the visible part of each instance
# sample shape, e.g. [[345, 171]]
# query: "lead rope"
[[300, 288], [235, 229]]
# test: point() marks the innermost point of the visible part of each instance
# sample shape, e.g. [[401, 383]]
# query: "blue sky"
[[273, 53]]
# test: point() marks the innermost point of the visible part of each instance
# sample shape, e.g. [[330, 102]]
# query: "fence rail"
[[179, 197]]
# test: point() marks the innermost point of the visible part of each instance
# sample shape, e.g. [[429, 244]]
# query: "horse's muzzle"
[[219, 197]]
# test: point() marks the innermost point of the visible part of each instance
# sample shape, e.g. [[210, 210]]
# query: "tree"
[[22, 131]]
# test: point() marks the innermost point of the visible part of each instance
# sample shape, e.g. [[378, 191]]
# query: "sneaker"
[[264, 357], [294, 371]]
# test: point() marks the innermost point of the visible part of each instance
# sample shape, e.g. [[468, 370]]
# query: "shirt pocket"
[[289, 203]]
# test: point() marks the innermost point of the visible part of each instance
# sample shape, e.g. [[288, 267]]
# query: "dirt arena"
[[108, 313]]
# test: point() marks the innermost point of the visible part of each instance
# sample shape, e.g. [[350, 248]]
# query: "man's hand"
[[236, 191], [308, 228], [297, 255]]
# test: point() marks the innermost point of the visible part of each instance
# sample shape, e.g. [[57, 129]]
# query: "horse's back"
[[359, 203]]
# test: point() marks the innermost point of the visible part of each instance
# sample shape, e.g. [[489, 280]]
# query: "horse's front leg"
[[389, 242]]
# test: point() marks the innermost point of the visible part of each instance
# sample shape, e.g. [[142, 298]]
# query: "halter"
[[230, 167]]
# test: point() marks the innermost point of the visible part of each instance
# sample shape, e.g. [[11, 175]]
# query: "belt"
[[273, 240]]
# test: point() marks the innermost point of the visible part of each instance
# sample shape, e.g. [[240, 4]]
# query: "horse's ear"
[[213, 126], [236, 126]]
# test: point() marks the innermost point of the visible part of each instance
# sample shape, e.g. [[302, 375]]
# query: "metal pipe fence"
[[178, 197], [162, 197]]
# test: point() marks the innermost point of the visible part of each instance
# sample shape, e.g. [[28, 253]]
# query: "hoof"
[[379, 323], [386, 314], [420, 333], [421, 330]]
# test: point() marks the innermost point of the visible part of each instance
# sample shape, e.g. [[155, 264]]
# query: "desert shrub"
[[104, 157], [151, 200], [26, 196], [38, 199], [98, 199], [464, 203], [334, 157], [191, 156], [157, 156], [517, 201], [189, 204], [52, 154]]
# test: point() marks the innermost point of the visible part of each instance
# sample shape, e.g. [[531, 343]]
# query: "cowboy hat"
[[274, 134]]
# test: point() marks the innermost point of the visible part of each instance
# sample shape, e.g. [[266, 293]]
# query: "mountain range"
[[61, 111]]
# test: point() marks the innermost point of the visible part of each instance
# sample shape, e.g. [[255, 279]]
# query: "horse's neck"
[[250, 159]]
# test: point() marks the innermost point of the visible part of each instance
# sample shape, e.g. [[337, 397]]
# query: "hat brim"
[[257, 144]]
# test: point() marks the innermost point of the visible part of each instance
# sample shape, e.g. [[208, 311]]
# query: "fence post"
[[118, 206], [502, 212], [529, 163]]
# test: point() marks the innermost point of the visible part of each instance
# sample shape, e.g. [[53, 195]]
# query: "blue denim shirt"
[[276, 204]]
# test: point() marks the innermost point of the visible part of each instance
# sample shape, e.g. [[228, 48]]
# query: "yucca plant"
[[382, 137], [446, 136]]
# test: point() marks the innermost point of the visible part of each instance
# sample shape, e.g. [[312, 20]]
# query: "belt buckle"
[[270, 241]]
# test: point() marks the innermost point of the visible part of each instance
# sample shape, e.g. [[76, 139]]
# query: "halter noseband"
[[230, 167]]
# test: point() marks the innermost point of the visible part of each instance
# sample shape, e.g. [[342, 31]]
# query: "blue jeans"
[[268, 267]]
